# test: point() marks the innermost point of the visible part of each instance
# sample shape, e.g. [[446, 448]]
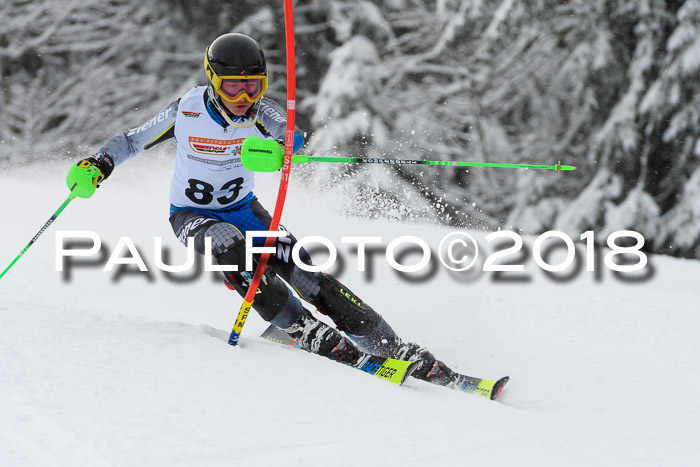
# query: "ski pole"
[[70, 198], [300, 159], [284, 182], [80, 183], [266, 155]]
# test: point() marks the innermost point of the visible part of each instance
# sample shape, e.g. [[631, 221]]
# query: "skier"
[[211, 196]]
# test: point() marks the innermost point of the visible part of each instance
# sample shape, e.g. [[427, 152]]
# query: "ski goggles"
[[236, 88]]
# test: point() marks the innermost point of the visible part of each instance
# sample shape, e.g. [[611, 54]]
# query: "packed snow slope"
[[134, 369]]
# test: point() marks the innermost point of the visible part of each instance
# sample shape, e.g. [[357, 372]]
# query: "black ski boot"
[[429, 368], [319, 338]]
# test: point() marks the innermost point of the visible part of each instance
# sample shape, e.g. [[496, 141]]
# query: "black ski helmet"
[[233, 54]]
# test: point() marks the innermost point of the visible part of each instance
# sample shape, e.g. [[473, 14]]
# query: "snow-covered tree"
[[74, 73], [608, 86], [671, 111]]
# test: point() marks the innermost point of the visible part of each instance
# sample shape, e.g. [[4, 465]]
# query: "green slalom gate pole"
[[70, 198], [299, 159]]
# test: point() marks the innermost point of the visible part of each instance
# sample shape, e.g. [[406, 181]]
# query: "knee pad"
[[227, 243], [348, 312], [273, 301]]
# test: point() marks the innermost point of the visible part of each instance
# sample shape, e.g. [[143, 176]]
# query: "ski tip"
[[409, 370], [273, 334], [498, 387]]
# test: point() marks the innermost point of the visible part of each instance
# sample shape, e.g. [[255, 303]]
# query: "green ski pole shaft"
[[70, 198], [299, 159], [266, 155]]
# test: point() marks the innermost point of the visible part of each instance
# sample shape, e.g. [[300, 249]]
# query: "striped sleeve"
[[272, 122], [158, 129]]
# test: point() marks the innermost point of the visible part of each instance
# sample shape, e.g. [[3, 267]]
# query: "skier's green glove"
[[87, 174], [262, 155]]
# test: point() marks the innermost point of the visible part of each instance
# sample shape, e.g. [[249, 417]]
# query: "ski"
[[396, 371], [488, 388], [389, 369]]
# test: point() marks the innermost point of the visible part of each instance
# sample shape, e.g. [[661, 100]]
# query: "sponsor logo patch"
[[215, 147], [187, 113], [208, 149]]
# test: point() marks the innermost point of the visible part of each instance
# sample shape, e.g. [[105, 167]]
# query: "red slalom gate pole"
[[284, 182]]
